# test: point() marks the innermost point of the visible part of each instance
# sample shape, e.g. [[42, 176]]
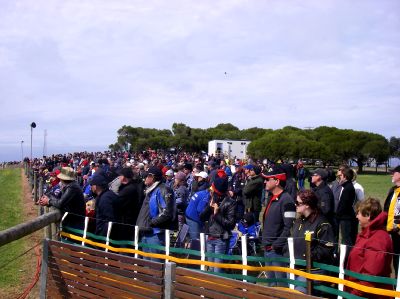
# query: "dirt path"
[[30, 211]]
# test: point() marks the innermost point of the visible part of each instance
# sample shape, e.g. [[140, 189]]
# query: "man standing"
[[323, 193], [278, 219], [105, 210], [71, 199], [127, 203], [158, 211], [392, 207], [345, 214], [252, 191]]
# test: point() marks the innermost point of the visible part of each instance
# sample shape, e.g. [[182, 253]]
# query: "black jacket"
[[278, 220], [326, 201], [221, 224], [322, 239], [345, 209], [71, 201]]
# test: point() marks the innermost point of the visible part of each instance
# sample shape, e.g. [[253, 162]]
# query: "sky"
[[82, 69]]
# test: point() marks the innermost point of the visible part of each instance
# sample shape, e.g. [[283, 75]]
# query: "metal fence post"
[[169, 278]]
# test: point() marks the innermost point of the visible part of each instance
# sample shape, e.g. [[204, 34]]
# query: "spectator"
[[290, 187], [236, 190], [187, 170], [301, 174], [220, 214], [252, 191], [357, 187], [169, 178], [212, 171], [196, 206], [371, 253], [202, 181], [392, 207], [348, 224], [105, 206], [181, 194], [71, 199], [127, 203], [277, 220], [158, 211], [311, 220], [323, 193]]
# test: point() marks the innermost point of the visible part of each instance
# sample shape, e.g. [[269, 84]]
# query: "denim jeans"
[[273, 274], [154, 239], [217, 246], [194, 228]]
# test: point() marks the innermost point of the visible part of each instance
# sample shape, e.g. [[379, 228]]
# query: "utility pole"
[[33, 125]]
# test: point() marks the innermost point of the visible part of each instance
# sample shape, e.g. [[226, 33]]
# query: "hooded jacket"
[[252, 192], [371, 254]]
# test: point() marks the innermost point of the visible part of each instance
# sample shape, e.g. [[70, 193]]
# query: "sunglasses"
[[297, 203]]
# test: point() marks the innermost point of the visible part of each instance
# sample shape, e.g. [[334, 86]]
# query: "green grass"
[[375, 185], [11, 213]]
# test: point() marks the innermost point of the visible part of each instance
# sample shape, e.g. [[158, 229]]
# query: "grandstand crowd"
[[265, 200]]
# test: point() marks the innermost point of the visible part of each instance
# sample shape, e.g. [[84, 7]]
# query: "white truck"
[[228, 148]]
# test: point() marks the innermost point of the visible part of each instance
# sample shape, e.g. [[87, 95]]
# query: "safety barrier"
[[237, 269]]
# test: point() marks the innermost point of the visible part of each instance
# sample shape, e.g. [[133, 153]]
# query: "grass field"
[[11, 213], [375, 185]]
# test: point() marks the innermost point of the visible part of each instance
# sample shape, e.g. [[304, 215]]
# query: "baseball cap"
[[275, 172], [321, 172], [202, 174]]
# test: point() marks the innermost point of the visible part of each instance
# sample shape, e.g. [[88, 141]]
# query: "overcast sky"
[[83, 69]]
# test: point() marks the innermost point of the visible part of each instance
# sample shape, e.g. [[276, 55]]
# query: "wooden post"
[[35, 186], [43, 271], [308, 261]]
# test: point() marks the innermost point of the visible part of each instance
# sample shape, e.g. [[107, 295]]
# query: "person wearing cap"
[[253, 191], [278, 218], [71, 199], [224, 166], [127, 203], [169, 178], [220, 214], [181, 194], [158, 211], [105, 204], [324, 193], [197, 203], [54, 184], [392, 207]]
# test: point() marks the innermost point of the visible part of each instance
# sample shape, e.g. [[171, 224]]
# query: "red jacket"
[[371, 255]]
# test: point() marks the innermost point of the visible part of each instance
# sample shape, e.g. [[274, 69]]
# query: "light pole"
[[33, 125], [22, 151]]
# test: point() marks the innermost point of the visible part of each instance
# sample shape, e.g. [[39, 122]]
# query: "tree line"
[[329, 144]]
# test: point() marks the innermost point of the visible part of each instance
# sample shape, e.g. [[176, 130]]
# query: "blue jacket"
[[158, 210], [197, 204]]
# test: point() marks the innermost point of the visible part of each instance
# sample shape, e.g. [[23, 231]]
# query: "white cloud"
[[82, 67]]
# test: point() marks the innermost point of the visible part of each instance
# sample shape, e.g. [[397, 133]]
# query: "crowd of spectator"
[[162, 190]]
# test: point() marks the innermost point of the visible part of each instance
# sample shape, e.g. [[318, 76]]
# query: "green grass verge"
[[11, 213], [375, 185]]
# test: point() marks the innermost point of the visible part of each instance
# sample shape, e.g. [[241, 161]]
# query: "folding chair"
[[180, 240]]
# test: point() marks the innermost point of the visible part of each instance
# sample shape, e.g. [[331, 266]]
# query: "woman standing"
[[371, 253]]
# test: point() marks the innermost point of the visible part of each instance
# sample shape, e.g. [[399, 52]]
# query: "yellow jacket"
[[394, 209]]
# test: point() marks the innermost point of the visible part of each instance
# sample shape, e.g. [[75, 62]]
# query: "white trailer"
[[228, 148]]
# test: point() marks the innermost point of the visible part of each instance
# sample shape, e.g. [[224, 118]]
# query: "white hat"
[[202, 174], [169, 172]]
